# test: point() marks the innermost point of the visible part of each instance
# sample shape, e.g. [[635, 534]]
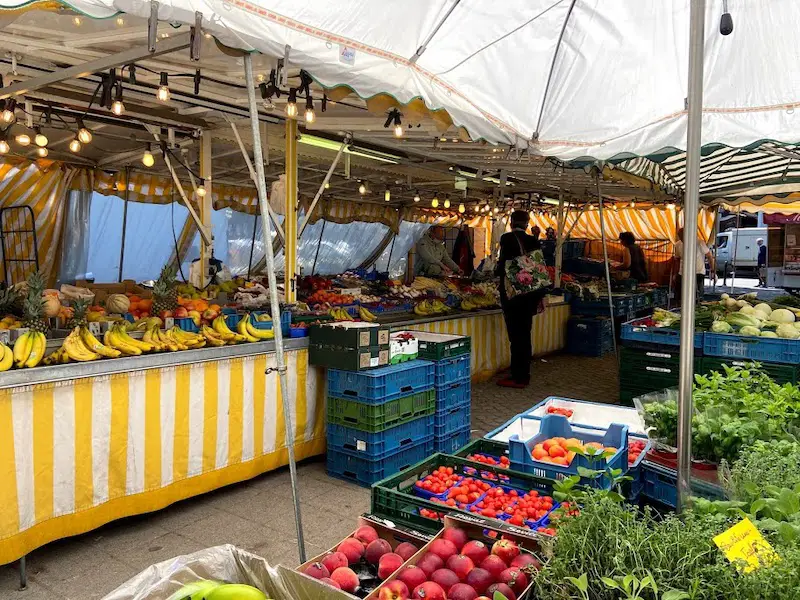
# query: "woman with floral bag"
[[524, 281]]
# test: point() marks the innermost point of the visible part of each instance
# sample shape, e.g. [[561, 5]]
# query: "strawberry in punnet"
[[635, 448]]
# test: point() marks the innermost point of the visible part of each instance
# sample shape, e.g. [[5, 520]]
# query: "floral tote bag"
[[526, 273]]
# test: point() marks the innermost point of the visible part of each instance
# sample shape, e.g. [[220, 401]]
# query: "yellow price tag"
[[743, 543]]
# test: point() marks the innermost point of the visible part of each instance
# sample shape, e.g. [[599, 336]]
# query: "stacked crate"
[[589, 336], [380, 421], [450, 357]]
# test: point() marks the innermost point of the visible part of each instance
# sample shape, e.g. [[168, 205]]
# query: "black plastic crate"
[[589, 336]]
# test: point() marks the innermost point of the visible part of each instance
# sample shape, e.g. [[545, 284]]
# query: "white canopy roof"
[[572, 79]]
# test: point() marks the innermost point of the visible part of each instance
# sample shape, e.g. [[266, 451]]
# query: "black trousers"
[[518, 314]]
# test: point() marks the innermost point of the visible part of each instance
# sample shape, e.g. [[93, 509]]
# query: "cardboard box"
[[347, 359], [350, 334], [301, 585], [477, 528]]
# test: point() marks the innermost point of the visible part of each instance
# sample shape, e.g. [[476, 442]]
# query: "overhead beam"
[[104, 63]]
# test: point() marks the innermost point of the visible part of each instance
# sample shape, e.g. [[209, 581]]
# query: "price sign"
[[94, 328], [744, 546], [169, 323], [5, 336]]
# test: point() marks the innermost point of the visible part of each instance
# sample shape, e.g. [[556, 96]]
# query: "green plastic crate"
[[375, 418], [348, 359], [393, 498], [779, 372], [644, 371], [437, 346]]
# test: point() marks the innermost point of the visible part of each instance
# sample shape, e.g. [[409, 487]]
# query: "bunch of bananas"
[[252, 333], [6, 357], [430, 307], [477, 301], [366, 315], [28, 350], [340, 314]]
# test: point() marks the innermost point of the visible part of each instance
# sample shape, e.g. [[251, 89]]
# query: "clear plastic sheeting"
[[409, 235], [226, 564], [75, 244]]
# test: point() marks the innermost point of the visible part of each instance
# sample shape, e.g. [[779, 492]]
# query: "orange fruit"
[[596, 445], [570, 455], [610, 451], [573, 443], [557, 451], [539, 453], [559, 460]]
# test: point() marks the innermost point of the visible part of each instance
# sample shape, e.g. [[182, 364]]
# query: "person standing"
[[703, 253], [432, 258], [518, 312], [762, 263], [633, 259]]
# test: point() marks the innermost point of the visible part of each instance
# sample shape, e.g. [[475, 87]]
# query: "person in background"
[[633, 259], [762, 263], [536, 232], [432, 258], [463, 254], [703, 253], [518, 312], [550, 234]]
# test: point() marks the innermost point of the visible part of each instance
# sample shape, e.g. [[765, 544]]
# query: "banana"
[[37, 349], [242, 329], [148, 338], [261, 334], [7, 359], [366, 315], [221, 327], [113, 340], [164, 339], [170, 335], [211, 336], [143, 346], [74, 348], [94, 345], [22, 349]]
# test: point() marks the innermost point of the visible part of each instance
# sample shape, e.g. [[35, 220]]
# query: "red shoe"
[[510, 383]]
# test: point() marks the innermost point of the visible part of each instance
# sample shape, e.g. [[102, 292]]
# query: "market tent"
[[567, 79]]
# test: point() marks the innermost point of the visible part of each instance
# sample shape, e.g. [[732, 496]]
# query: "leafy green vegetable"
[[739, 319]]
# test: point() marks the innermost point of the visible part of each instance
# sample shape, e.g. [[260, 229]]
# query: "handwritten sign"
[[347, 55], [744, 546]]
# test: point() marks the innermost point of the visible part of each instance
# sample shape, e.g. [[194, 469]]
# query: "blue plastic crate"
[[635, 471], [615, 436], [730, 345], [622, 306], [377, 386], [450, 443], [661, 484], [451, 420], [634, 331], [589, 336], [187, 324], [286, 322], [453, 394], [365, 472], [375, 446], [232, 319], [452, 370]]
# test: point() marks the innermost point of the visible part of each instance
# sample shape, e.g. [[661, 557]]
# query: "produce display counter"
[[85, 444]]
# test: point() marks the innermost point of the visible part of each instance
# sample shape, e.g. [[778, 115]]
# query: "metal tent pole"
[[690, 208], [252, 244], [124, 221], [560, 223], [280, 359], [716, 233], [319, 245], [735, 247], [605, 261]]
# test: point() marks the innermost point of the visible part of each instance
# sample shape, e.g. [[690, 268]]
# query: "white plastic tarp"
[[562, 77]]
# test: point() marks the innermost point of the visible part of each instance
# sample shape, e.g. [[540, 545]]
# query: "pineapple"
[[165, 293], [33, 306], [79, 308], [10, 302]]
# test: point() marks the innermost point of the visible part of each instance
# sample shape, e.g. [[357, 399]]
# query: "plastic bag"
[[226, 564], [70, 292]]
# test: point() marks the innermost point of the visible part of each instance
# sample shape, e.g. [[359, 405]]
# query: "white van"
[[742, 242]]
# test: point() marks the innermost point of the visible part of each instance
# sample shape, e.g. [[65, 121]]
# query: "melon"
[[118, 304]]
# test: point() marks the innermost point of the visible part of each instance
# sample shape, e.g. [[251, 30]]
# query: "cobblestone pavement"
[[256, 515]]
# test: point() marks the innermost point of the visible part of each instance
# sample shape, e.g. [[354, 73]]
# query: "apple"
[[430, 591], [394, 590], [460, 565], [515, 579], [503, 589], [457, 536], [429, 562], [476, 551], [506, 549], [196, 317], [445, 578], [523, 560], [330, 582], [479, 579], [443, 548], [406, 550], [165, 314], [495, 565], [412, 576], [181, 313]]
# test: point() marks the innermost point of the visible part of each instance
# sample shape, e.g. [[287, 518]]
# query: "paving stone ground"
[[256, 515]]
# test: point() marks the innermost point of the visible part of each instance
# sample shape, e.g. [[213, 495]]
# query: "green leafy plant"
[[630, 586], [761, 465]]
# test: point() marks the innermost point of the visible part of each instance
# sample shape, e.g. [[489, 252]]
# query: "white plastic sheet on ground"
[[572, 78], [226, 564]]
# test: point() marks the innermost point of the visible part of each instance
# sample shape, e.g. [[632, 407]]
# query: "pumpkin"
[[118, 304], [51, 306]]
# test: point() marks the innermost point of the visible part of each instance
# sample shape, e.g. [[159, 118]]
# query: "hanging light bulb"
[[4, 147], [75, 145], [118, 107], [398, 125], [23, 139], [201, 189], [387, 195], [84, 135], [42, 151], [291, 103], [362, 189], [163, 88], [310, 115], [9, 116], [633, 204], [671, 206], [496, 209], [416, 197], [461, 208], [40, 138], [447, 202], [77, 21], [327, 185], [148, 160], [435, 202], [120, 22]]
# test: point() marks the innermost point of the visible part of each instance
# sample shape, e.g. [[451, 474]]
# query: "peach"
[[460, 565], [317, 570], [445, 578], [462, 591], [412, 576], [366, 534], [503, 589], [376, 549], [346, 578], [330, 582], [334, 560], [444, 549], [352, 549], [476, 551], [495, 565], [406, 550], [429, 562], [394, 590], [388, 564], [430, 591], [457, 536]]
